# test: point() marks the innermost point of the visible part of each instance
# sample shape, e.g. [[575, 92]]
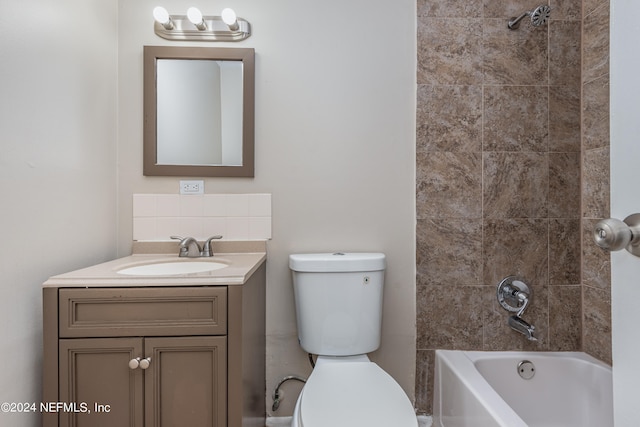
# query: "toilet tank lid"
[[337, 262]]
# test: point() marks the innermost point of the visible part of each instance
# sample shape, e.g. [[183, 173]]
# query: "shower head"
[[539, 16]]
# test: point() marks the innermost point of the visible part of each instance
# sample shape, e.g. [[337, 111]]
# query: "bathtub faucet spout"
[[514, 295], [518, 324]]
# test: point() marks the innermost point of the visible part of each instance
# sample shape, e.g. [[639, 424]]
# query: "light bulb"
[[195, 16], [161, 15], [229, 17]]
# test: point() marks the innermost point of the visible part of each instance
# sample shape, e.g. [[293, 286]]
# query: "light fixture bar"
[[215, 29]]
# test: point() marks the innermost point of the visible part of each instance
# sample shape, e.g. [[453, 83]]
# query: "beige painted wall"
[[335, 145], [57, 167]]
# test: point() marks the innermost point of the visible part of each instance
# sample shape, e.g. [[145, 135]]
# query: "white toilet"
[[339, 312]]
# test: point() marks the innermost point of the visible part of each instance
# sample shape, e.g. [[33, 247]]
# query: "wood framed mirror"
[[198, 111]]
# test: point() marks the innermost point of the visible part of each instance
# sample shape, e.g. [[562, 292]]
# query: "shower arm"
[[515, 22]]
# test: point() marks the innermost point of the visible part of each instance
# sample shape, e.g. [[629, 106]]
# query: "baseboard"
[[423, 421]]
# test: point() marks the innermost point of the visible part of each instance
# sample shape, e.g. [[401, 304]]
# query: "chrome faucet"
[[514, 295], [190, 248], [518, 324]]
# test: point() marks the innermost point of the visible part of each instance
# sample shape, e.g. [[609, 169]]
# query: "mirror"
[[198, 111]]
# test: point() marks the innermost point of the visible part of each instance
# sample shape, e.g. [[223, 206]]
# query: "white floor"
[[423, 421], [278, 421]]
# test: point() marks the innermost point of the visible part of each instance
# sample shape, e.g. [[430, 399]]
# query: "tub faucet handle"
[[513, 294], [524, 298]]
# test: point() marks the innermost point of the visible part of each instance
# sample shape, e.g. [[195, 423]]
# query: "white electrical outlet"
[[192, 187]]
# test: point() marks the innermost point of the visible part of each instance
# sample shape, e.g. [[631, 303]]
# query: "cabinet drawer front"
[[118, 312]]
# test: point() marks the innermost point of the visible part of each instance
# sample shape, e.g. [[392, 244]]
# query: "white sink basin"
[[172, 268]]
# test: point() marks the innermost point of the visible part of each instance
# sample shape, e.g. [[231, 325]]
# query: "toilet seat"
[[353, 394]]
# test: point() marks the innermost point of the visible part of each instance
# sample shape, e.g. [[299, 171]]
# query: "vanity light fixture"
[[196, 27]]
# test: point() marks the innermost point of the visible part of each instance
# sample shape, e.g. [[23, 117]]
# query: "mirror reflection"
[[205, 133]]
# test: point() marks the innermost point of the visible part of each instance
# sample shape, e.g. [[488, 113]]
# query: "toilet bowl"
[[339, 316], [352, 392]]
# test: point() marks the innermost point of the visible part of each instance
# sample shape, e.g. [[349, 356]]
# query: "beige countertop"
[[240, 266]]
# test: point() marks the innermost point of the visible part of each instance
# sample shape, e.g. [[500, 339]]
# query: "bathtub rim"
[[466, 372], [475, 355], [462, 364]]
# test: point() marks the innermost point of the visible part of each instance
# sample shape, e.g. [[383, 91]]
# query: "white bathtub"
[[484, 389]]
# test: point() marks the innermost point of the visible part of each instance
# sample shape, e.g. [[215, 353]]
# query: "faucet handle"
[[206, 249], [522, 296], [183, 248], [188, 247], [513, 294]]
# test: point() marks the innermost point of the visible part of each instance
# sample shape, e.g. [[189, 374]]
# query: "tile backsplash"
[[234, 216]]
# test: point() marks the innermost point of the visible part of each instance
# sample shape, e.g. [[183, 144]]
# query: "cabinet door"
[[96, 372], [186, 383]]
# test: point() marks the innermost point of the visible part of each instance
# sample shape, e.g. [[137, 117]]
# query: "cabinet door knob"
[[134, 363], [144, 363]]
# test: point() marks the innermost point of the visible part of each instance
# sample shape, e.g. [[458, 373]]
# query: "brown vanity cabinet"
[[147, 356], [185, 381]]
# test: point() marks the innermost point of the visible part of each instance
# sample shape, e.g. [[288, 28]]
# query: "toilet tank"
[[338, 301]]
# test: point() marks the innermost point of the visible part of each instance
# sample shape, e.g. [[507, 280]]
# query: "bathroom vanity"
[[162, 350]]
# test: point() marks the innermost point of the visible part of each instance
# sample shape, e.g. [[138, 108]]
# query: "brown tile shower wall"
[[596, 267], [499, 154]]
